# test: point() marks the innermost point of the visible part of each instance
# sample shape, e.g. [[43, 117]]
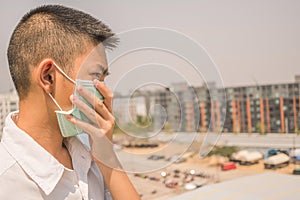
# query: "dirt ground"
[[205, 171]]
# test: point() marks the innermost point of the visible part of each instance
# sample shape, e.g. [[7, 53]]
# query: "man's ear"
[[46, 75]]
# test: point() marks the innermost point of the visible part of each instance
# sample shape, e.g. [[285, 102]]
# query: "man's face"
[[90, 66], [94, 66]]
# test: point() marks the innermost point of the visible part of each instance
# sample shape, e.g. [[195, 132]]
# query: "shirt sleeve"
[[107, 193]]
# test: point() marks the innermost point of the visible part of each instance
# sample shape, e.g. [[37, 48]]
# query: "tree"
[[259, 128]]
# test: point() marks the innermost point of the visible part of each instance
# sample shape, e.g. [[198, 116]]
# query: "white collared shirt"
[[28, 171]]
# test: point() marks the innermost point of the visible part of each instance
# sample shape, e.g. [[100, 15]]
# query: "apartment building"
[[266, 108], [272, 108]]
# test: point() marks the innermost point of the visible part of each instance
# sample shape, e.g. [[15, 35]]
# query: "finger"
[[87, 111], [107, 94], [99, 142], [95, 133], [98, 105], [86, 127]]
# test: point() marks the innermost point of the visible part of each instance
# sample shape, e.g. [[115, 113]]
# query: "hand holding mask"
[[91, 114], [66, 127]]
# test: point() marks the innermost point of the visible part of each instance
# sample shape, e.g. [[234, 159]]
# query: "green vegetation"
[[223, 151], [139, 127], [167, 127], [143, 121], [259, 128]]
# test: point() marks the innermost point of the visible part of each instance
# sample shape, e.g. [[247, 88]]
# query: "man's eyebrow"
[[104, 70], [101, 68]]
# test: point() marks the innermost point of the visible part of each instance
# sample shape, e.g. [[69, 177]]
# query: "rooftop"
[[262, 186]]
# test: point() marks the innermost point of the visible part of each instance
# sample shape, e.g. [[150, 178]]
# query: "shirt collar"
[[81, 157], [39, 164]]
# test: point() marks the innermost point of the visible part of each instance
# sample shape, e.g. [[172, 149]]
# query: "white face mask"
[[67, 128]]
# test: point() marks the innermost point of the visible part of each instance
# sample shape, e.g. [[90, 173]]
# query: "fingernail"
[[96, 82], [71, 119], [72, 97]]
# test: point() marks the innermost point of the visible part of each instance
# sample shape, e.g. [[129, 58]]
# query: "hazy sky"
[[249, 40]]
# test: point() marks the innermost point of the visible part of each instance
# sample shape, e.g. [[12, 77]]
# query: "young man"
[[48, 48]]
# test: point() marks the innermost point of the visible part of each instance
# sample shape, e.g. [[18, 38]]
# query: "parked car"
[[141, 176], [156, 157], [190, 186], [236, 157], [228, 166], [295, 160], [296, 171], [277, 161], [247, 158], [273, 152], [295, 156], [295, 152], [171, 184], [153, 178]]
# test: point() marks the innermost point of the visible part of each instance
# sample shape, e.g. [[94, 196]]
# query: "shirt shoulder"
[[7, 160], [13, 178]]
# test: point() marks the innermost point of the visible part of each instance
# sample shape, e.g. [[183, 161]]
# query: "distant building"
[[126, 109], [175, 108], [297, 78], [120, 108], [162, 103], [188, 109], [8, 102], [272, 108], [269, 108]]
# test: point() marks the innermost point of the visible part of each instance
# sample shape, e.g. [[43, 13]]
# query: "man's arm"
[[118, 183], [115, 178]]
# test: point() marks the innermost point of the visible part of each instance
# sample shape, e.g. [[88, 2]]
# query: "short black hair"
[[56, 32]]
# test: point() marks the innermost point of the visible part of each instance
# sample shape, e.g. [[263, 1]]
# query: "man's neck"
[[38, 124], [39, 121]]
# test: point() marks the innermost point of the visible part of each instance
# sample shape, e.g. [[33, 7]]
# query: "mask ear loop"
[[61, 71], [55, 101]]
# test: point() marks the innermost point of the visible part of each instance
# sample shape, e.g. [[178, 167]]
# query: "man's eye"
[[100, 76], [96, 75]]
